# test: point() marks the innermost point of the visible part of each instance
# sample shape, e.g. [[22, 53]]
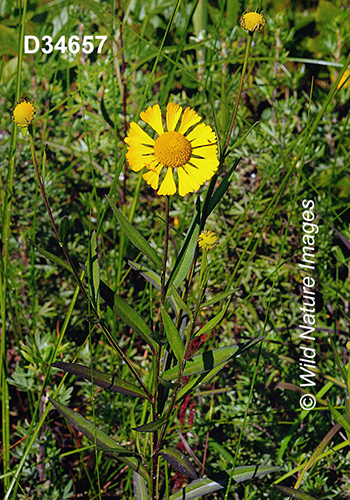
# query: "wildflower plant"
[[181, 158]]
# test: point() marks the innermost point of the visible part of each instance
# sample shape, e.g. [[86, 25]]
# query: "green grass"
[[291, 136]]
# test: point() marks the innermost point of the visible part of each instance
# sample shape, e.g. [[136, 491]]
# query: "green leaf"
[[140, 487], [154, 279], [151, 426], [205, 377], [170, 385], [338, 417], [135, 237], [223, 187], [52, 257], [179, 461], [245, 472], [180, 303], [241, 139], [147, 273], [173, 335], [186, 252], [211, 360], [213, 322], [109, 382], [160, 340], [126, 313], [94, 272], [63, 230], [291, 492], [217, 298], [202, 379], [196, 489], [102, 440], [203, 362], [205, 486]]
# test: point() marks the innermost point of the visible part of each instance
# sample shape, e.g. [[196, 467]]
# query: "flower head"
[[207, 240], [24, 112], [190, 150], [252, 21]]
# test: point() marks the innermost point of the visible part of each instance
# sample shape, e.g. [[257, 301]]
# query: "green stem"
[[233, 119], [6, 199], [165, 256], [155, 439]]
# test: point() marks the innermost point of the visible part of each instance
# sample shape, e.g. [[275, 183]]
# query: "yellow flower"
[[23, 114], [191, 150], [252, 21], [207, 240]]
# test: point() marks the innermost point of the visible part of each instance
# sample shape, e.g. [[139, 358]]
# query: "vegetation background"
[[192, 54]]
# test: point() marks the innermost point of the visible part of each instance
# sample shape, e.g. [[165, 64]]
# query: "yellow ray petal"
[[153, 117], [198, 175], [204, 164], [190, 118], [173, 113], [152, 176], [207, 152], [201, 135], [186, 183], [137, 134], [138, 160], [168, 186], [140, 149]]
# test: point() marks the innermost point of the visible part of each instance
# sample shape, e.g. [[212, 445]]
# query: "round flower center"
[[23, 114], [172, 149], [252, 21]]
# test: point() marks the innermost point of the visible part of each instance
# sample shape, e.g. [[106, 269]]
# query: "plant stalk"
[[233, 119]]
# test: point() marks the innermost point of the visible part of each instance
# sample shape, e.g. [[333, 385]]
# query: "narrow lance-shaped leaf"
[[292, 493], [135, 237], [205, 377], [109, 382], [154, 279], [223, 187], [204, 486], [201, 379], [186, 252], [63, 230], [151, 426], [179, 301], [340, 419], [245, 472], [196, 489], [140, 487], [94, 272], [50, 256], [173, 335], [179, 461], [103, 441], [149, 275], [213, 322], [203, 362], [217, 298], [126, 313]]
